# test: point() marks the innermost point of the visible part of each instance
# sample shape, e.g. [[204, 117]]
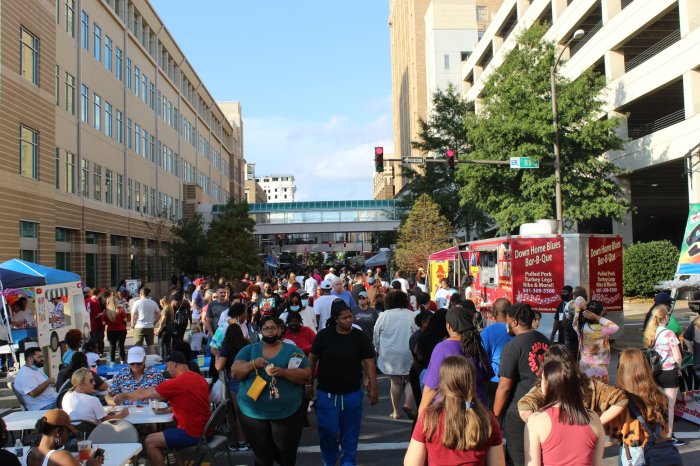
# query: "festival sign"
[[605, 271], [689, 260], [538, 272], [437, 270]]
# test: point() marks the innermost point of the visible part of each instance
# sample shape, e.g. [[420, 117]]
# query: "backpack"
[[657, 451], [181, 319], [654, 358]]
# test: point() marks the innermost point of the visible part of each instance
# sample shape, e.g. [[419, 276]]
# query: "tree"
[[424, 232], [516, 120], [189, 246], [445, 129], [231, 249]]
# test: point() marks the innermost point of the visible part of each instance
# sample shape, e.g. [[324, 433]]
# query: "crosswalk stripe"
[[361, 447]]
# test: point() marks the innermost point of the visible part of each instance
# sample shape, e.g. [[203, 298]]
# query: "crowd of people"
[[468, 378]]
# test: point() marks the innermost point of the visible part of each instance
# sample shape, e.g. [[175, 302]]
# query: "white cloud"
[[330, 160]]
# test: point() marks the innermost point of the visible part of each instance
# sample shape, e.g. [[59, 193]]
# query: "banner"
[[437, 270], [537, 267], [605, 272], [689, 260]]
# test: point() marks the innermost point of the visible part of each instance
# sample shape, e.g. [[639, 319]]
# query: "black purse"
[[657, 451], [654, 359]]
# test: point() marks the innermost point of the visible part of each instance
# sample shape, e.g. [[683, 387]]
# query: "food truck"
[[533, 268], [55, 301]]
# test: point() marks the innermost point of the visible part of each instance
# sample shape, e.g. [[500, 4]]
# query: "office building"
[[279, 187], [648, 52], [429, 39], [106, 133]]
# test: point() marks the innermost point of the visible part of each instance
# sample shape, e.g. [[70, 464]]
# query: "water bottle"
[[19, 449], [108, 360]]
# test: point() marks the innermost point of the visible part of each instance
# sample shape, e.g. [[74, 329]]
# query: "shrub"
[[645, 264]]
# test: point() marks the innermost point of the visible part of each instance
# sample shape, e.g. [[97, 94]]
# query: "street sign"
[[524, 162], [412, 160]]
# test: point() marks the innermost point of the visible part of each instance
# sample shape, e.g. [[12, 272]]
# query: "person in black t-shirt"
[[342, 354], [560, 314], [520, 363]]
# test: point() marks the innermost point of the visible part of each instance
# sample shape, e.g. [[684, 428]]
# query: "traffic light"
[[330, 244], [450, 160], [345, 244], [379, 159]]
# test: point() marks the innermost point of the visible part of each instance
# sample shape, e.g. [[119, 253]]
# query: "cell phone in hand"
[[98, 453]]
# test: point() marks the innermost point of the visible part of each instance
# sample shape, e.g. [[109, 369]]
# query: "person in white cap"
[[330, 276], [136, 376], [322, 304]]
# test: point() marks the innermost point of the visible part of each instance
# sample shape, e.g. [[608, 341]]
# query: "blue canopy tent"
[[17, 273]]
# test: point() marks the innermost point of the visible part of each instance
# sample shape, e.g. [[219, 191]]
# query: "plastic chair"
[[114, 431], [22, 404], [217, 442], [59, 399]]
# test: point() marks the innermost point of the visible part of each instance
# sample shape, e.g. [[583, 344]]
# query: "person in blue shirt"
[[494, 338]]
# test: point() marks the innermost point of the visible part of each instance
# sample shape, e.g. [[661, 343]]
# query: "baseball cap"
[[58, 417], [662, 298], [362, 294], [371, 280], [198, 281], [136, 354], [177, 357], [326, 285]]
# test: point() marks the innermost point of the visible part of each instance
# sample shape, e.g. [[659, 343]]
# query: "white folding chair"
[[114, 431]]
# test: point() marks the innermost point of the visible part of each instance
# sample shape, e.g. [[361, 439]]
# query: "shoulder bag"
[[654, 358], [657, 451]]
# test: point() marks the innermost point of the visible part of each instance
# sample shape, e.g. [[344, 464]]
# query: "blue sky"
[[313, 78]]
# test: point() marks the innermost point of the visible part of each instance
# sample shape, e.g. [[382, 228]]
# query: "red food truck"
[[534, 268]]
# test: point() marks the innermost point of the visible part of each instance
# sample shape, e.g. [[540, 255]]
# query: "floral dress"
[[595, 347]]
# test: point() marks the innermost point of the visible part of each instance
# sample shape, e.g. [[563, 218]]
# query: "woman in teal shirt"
[[274, 421]]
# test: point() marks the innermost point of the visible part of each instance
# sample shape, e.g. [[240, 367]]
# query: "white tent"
[[377, 260]]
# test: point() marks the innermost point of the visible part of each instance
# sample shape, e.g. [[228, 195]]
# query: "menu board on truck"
[[605, 271], [537, 266]]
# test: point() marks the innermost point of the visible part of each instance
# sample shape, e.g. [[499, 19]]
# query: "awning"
[[43, 275], [449, 254], [376, 260], [56, 292]]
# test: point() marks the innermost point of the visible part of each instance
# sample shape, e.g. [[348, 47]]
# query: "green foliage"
[[516, 120], [444, 129], [646, 264], [424, 231], [314, 259], [231, 249], [189, 245], [383, 239]]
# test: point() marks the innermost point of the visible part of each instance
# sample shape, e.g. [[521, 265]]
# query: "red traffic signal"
[[345, 244], [450, 159], [330, 244], [379, 159]]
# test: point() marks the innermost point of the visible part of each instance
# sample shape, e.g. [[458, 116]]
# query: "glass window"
[[28, 152], [137, 79], [29, 56], [108, 119], [120, 137], [128, 73], [119, 64], [144, 88], [108, 53], [62, 235], [97, 42], [70, 173], [108, 186], [120, 190], [28, 229], [97, 182], [57, 90], [97, 112], [85, 30], [70, 17], [128, 133], [129, 193], [57, 168], [70, 94], [28, 255], [84, 98], [481, 12], [63, 261], [137, 138], [85, 178]]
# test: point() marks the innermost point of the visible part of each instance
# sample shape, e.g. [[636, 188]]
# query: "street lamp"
[[555, 121]]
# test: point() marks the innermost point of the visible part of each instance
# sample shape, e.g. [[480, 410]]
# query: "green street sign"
[[524, 162]]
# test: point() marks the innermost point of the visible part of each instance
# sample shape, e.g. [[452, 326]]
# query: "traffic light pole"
[[478, 162]]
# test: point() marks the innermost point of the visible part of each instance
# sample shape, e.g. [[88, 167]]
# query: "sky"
[[313, 78]]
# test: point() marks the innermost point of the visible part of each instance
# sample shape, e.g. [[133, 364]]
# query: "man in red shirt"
[[188, 395], [97, 326]]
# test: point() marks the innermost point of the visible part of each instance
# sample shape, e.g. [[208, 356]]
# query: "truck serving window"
[[489, 270]]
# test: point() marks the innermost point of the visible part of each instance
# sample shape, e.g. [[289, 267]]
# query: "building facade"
[[429, 40], [647, 50], [106, 134], [279, 187]]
